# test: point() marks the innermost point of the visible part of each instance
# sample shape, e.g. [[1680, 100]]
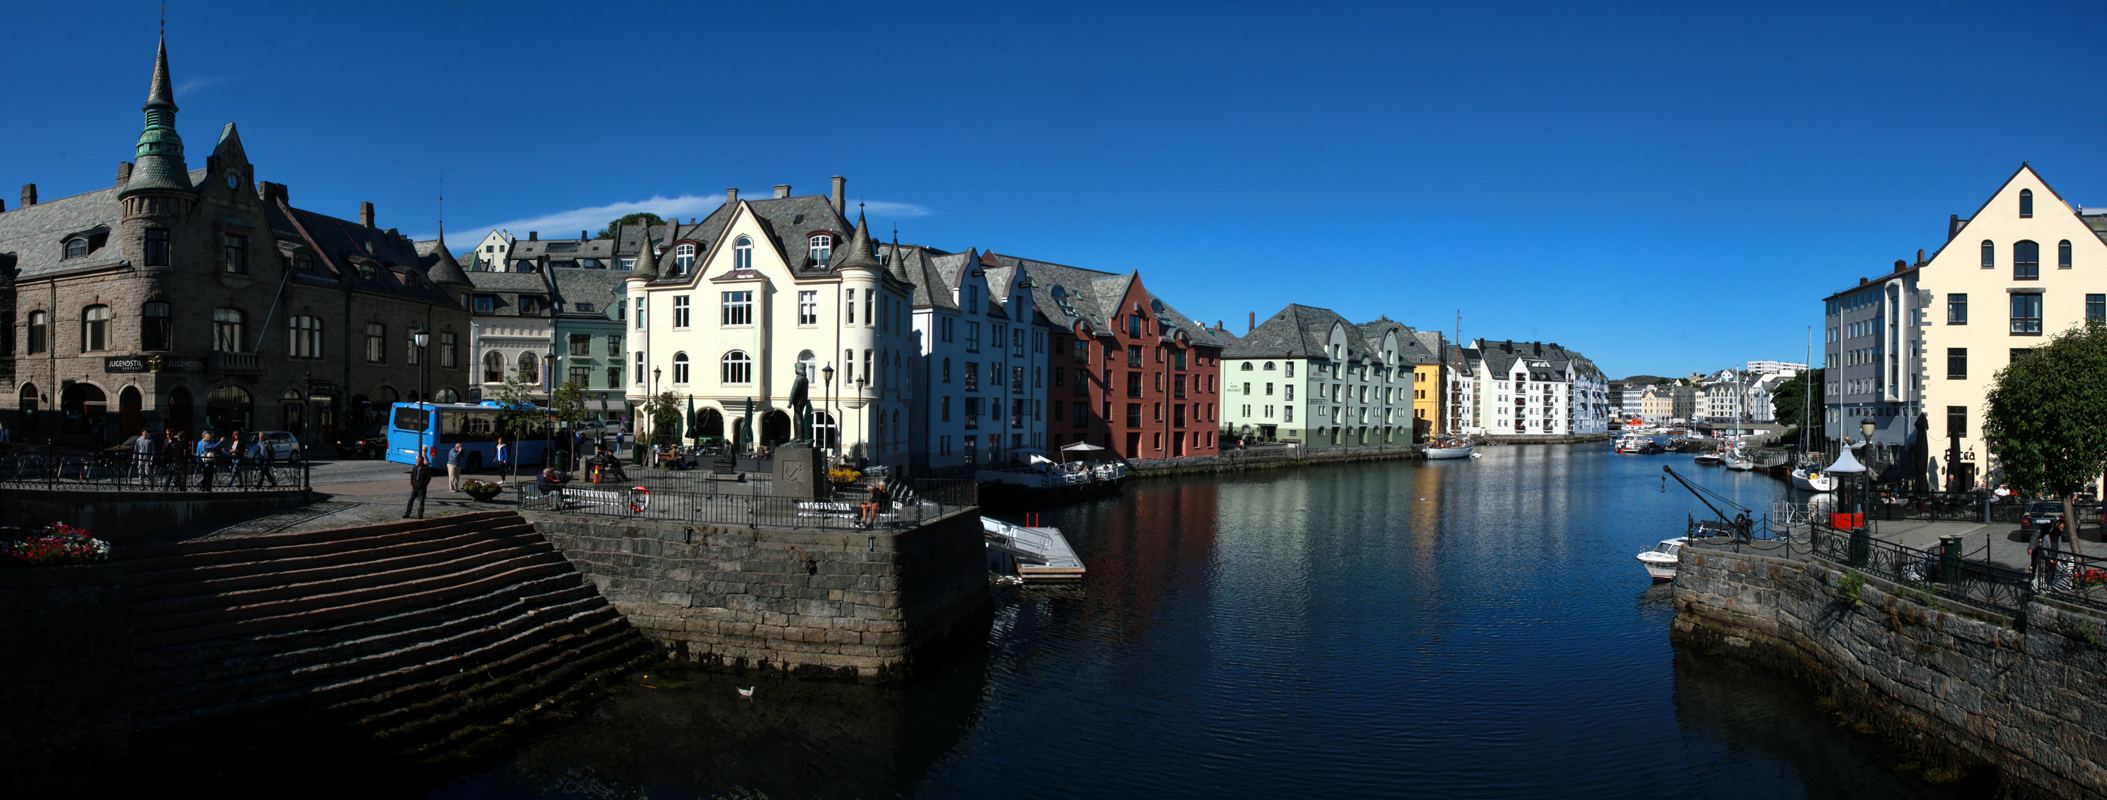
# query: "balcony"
[[235, 364]]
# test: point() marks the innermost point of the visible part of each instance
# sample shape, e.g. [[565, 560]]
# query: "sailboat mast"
[[1807, 391]]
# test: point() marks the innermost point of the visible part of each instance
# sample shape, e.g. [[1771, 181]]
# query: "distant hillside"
[[1646, 379]]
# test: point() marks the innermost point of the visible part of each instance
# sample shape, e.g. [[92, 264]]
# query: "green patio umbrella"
[[690, 419], [746, 424]]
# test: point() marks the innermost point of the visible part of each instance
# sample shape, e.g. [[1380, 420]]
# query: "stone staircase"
[[421, 636]]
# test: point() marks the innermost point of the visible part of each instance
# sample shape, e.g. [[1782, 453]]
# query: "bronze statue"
[[801, 405]]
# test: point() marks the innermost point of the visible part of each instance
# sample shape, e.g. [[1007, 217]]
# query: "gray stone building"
[[196, 299]]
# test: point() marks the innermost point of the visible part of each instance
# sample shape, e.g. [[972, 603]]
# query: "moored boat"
[[1740, 462], [1810, 479], [1660, 561], [1451, 447], [1708, 459]]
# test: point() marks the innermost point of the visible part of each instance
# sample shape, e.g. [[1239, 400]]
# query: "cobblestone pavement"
[[346, 505]]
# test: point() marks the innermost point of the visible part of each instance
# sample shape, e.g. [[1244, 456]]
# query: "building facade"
[[1539, 389], [1306, 375], [203, 299]]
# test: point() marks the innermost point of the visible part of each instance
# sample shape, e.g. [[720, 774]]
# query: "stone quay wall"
[[1945, 679], [120, 516], [847, 604], [65, 656]]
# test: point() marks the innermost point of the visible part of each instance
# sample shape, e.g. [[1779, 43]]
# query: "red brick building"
[[1126, 371]]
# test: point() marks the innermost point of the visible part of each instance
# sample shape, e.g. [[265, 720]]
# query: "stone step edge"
[[247, 575], [383, 603], [411, 707], [187, 611], [150, 567]]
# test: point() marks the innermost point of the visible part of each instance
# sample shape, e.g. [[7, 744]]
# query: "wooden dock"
[[1037, 555]]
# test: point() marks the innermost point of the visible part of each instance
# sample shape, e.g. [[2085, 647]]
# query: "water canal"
[[1448, 629]]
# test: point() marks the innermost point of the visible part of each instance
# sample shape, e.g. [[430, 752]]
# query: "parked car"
[[281, 445], [368, 442], [2041, 515]]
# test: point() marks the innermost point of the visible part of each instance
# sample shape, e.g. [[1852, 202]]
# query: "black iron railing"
[[54, 468], [905, 507]]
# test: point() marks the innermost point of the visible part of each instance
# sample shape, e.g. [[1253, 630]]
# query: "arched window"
[[743, 253], [27, 400], [227, 326], [2026, 260], [529, 368], [680, 369], [39, 331], [304, 261], [155, 326], [1247, 366], [738, 367], [811, 364], [1989, 254], [2063, 254], [1269, 366], [822, 248], [448, 396], [227, 409], [76, 247], [683, 258], [2026, 203], [94, 329], [947, 370], [493, 367]]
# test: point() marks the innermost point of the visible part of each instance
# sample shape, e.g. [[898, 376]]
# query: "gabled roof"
[[340, 245], [1092, 297], [1298, 331], [1501, 356], [926, 271], [787, 222], [599, 287], [35, 235]]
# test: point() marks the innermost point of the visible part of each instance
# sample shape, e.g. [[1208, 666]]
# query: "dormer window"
[[304, 261], [368, 271], [822, 247], [2026, 203], [1060, 297], [77, 247], [743, 254], [683, 258]]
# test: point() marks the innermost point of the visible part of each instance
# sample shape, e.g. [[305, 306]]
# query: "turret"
[[157, 191]]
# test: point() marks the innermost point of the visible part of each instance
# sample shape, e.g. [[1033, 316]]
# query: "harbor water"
[[1471, 628]]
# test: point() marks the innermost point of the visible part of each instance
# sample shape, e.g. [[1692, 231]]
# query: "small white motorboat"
[[1740, 462], [1708, 459], [1451, 447], [1809, 479], [1660, 561]]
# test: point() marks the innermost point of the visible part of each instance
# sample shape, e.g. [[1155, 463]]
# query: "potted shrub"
[[481, 491]]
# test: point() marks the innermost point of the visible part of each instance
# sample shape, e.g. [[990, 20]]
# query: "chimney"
[[782, 190], [1218, 326], [1901, 265], [841, 186], [731, 195], [533, 236], [1920, 256], [124, 172], [1861, 281], [1953, 226], [29, 195], [365, 214], [584, 235], [273, 192]]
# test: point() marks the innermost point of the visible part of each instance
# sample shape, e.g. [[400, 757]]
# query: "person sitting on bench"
[[552, 482], [868, 511], [608, 465]]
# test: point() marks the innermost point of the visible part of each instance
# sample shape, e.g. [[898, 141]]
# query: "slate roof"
[[507, 287], [788, 222], [340, 245], [1500, 357], [36, 235], [1092, 296], [925, 268], [1298, 331], [599, 287], [562, 250], [438, 262]]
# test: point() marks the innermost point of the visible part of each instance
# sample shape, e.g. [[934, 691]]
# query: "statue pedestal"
[[800, 472]]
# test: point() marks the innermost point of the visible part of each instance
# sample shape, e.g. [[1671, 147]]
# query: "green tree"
[[567, 405], [517, 416], [644, 217], [2045, 417], [1794, 403], [664, 413]]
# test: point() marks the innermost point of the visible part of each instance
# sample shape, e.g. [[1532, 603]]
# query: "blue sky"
[[1665, 188]]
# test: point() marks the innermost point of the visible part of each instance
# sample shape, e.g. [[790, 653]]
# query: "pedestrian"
[[420, 477], [504, 456], [872, 504], [143, 449], [453, 467], [259, 458], [237, 462], [2044, 551], [208, 457]]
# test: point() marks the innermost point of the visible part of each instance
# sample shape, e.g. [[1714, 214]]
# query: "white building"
[[1539, 389], [1307, 375], [981, 378], [1775, 368], [732, 305], [491, 254]]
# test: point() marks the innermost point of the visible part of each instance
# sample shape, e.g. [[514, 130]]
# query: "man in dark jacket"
[[420, 477]]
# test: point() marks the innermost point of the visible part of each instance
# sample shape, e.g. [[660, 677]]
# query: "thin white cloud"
[[189, 85], [591, 219]]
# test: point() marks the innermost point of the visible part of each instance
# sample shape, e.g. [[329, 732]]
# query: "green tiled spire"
[[160, 152]]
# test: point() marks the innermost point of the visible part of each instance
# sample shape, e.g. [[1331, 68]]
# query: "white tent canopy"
[[1079, 447], [1846, 464]]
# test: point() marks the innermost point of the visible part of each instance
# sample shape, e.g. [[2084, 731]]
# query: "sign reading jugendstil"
[[155, 363]]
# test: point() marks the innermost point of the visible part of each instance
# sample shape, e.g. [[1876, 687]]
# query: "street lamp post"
[[826, 374], [548, 381], [423, 337]]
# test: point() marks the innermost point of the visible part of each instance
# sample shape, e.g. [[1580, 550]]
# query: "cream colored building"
[[2023, 268], [731, 305]]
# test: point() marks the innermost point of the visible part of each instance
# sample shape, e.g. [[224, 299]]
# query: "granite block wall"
[[65, 655], [851, 604], [2020, 695]]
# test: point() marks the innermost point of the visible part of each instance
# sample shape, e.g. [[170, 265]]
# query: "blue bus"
[[439, 426]]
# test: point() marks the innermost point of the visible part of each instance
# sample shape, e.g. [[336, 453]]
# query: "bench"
[[633, 500]]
